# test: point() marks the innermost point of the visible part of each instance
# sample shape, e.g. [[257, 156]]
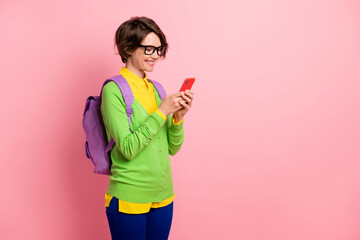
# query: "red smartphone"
[[187, 84]]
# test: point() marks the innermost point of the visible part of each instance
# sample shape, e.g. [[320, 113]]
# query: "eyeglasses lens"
[[149, 50]]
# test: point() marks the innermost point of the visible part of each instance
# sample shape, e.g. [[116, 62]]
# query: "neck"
[[135, 70]]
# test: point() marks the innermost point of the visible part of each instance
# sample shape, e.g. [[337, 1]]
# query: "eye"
[[150, 49]]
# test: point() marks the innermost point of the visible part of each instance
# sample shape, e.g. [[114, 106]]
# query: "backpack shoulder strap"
[[159, 88], [126, 93]]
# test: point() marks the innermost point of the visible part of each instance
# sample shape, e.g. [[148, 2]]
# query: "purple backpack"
[[97, 147]]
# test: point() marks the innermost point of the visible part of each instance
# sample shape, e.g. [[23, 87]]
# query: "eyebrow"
[[151, 45]]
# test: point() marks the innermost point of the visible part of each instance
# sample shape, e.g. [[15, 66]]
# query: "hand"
[[171, 103], [187, 98]]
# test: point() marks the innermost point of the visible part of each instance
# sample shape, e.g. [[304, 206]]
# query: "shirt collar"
[[131, 77]]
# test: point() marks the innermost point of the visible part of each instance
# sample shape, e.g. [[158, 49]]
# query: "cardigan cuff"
[[160, 113]]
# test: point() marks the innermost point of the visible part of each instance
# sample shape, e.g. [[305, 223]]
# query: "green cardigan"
[[141, 170]]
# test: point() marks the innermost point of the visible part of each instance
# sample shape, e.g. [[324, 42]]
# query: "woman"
[[139, 199]]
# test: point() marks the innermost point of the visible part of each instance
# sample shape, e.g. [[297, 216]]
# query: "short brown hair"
[[132, 32]]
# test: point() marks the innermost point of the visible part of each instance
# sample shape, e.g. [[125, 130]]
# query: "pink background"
[[272, 141]]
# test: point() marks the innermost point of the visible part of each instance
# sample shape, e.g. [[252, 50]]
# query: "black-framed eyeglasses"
[[149, 50]]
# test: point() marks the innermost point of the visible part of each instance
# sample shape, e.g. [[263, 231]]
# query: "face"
[[139, 62]]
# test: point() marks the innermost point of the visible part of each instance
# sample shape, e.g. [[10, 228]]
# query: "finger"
[[189, 91], [186, 98], [188, 104], [184, 104], [183, 95], [176, 100], [189, 94]]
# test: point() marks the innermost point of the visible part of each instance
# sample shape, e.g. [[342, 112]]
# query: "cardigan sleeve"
[[113, 110], [175, 136]]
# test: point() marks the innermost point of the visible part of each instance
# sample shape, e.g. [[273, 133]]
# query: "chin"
[[149, 69]]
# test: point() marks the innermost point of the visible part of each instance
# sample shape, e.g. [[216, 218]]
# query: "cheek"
[[140, 58]]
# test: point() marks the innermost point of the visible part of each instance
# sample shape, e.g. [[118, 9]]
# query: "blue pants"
[[154, 225]]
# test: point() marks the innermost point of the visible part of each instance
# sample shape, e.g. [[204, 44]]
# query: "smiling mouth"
[[152, 63]]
